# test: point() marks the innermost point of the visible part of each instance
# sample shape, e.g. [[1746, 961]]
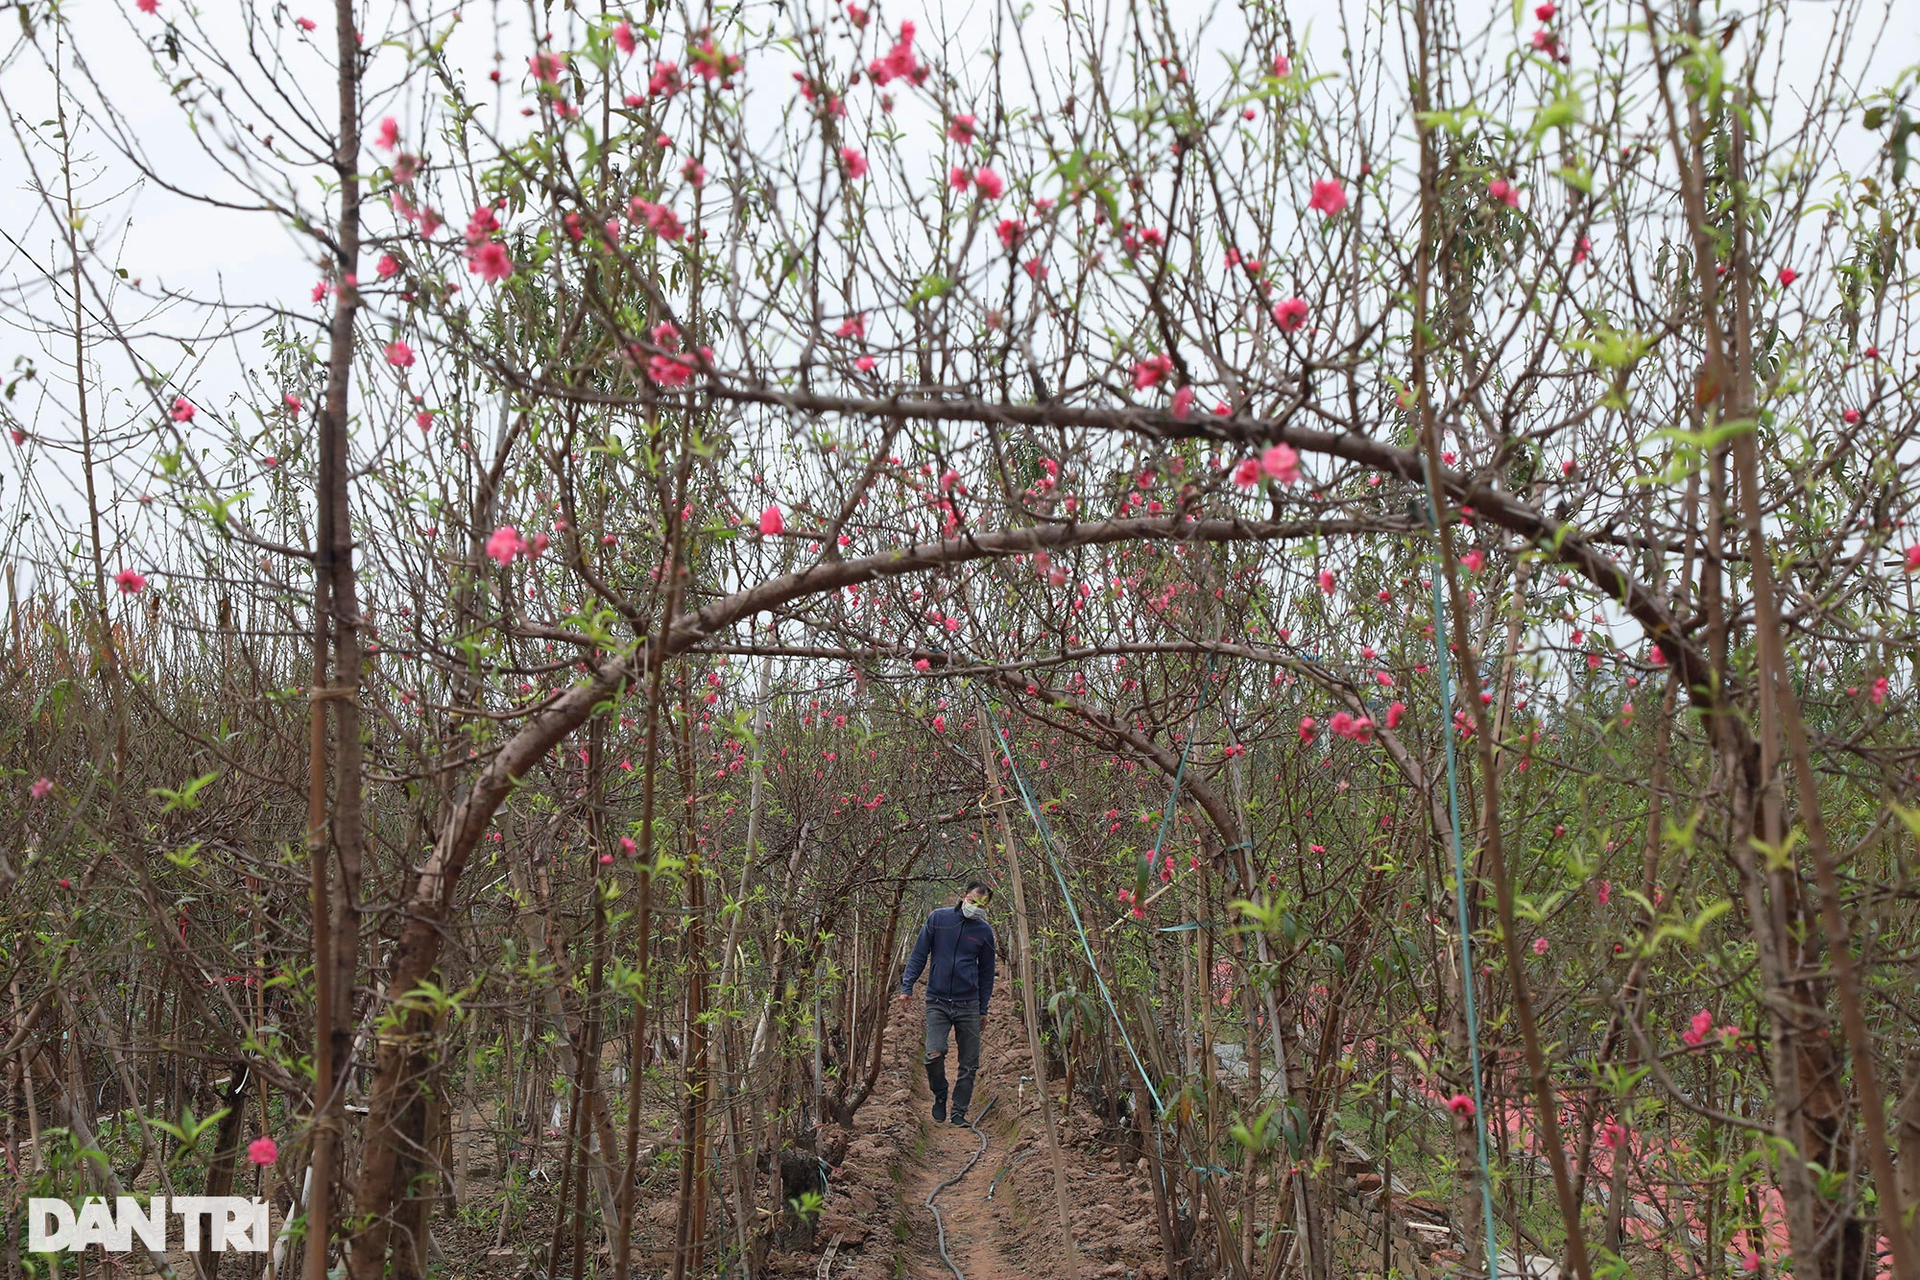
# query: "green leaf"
[[1613, 348], [1561, 112], [218, 509], [1453, 122], [187, 797], [933, 286]]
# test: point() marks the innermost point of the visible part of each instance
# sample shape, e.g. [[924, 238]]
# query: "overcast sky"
[[164, 239]]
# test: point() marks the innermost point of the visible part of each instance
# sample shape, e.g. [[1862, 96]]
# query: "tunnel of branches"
[[1374, 560]]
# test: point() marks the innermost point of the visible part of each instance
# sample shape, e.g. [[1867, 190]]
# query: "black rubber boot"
[[937, 1081]]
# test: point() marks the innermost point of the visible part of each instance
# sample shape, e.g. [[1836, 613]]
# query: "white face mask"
[[973, 911]]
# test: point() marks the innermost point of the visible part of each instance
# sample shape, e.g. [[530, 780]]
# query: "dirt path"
[[897, 1155], [987, 1239]]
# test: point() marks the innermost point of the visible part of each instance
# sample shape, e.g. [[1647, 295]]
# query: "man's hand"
[[906, 1001]]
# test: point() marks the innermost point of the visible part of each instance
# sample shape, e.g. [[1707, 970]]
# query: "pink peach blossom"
[[1282, 462], [1329, 197], [504, 544], [1290, 314]]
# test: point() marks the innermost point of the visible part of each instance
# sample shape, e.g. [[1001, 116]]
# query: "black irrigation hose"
[[1001, 1176], [973, 1124]]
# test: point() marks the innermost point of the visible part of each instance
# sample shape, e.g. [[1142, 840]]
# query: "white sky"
[[165, 240]]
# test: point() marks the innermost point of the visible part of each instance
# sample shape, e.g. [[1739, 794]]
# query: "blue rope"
[[1173, 799], [1460, 897], [1046, 842]]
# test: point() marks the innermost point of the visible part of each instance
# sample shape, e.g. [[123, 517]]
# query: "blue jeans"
[[964, 1022]]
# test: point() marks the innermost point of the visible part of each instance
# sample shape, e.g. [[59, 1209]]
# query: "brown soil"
[[878, 1199]]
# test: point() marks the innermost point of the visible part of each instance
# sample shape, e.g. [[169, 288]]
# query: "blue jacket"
[[962, 955]]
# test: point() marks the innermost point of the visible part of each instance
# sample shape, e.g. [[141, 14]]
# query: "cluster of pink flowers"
[[665, 80], [486, 257], [710, 63], [1133, 239], [426, 219], [986, 184], [899, 62], [1354, 728], [1279, 461], [658, 218], [1329, 197], [1056, 575], [672, 369], [506, 544], [1700, 1028], [826, 103], [1544, 40], [1149, 372], [1127, 897]]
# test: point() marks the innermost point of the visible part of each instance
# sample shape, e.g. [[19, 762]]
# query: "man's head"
[[979, 892]]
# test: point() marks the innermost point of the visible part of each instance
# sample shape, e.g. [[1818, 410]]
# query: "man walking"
[[959, 942]]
